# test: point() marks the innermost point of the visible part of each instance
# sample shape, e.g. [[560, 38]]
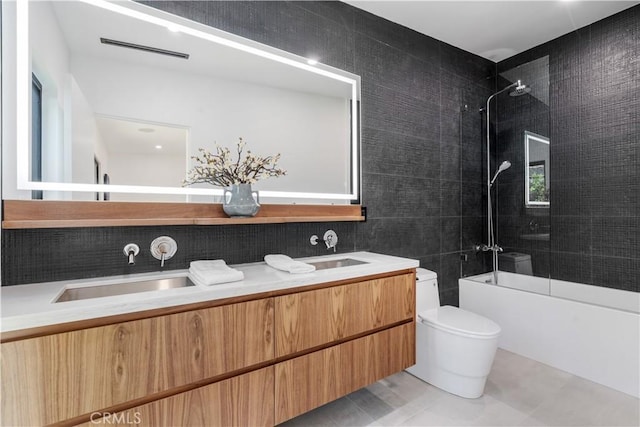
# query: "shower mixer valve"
[[485, 248]]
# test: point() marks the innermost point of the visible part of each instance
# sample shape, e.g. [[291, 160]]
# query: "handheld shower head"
[[503, 167]]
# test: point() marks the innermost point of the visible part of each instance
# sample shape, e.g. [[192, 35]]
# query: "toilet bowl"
[[454, 347]]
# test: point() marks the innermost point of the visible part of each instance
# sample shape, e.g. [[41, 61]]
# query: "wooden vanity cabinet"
[[309, 381], [258, 362], [63, 376], [306, 320], [243, 400]]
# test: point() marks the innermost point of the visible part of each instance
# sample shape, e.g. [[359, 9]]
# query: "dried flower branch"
[[220, 169]]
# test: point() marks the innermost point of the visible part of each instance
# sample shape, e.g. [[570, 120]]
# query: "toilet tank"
[[427, 296], [515, 262]]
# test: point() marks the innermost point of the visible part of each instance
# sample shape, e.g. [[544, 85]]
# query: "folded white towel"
[[285, 263], [205, 273]]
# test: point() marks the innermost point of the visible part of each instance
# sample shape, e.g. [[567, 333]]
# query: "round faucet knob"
[[163, 248]]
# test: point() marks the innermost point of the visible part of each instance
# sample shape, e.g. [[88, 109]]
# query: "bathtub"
[[589, 331]]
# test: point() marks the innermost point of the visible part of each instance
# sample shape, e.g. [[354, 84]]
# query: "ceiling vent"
[[144, 48]]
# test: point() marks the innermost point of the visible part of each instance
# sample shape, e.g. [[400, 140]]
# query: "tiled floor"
[[519, 392]]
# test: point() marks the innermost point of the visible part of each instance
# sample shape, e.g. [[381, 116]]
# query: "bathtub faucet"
[[485, 248]]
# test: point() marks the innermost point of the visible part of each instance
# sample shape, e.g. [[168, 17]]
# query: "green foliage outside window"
[[537, 189]]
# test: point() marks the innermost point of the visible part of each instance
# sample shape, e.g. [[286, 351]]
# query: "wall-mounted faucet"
[[163, 248], [130, 251], [330, 239]]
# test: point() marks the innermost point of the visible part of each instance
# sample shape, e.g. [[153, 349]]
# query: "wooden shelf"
[[18, 214]]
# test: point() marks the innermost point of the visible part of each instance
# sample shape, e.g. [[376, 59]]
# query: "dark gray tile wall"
[[31, 256], [595, 155], [421, 154]]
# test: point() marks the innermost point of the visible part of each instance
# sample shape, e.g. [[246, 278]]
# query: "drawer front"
[[245, 400], [57, 377], [314, 318], [309, 381]]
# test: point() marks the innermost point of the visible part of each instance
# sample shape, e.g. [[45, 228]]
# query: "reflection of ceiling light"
[[146, 130], [312, 61], [173, 28], [158, 147]]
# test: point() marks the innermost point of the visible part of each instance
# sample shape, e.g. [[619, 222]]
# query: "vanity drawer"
[[244, 400], [309, 319], [309, 381], [62, 376]]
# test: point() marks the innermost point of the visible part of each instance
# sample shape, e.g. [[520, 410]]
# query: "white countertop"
[[29, 306]]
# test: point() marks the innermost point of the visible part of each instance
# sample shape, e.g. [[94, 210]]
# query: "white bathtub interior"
[[596, 295], [586, 330]]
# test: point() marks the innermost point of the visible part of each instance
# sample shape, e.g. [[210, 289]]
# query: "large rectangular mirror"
[[111, 100]]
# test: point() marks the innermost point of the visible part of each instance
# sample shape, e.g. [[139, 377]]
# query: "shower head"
[[517, 89], [520, 89], [503, 167]]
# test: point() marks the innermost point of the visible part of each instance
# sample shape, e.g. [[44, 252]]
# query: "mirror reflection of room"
[[537, 179], [112, 93]]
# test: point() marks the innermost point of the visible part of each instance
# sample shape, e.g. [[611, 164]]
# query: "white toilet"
[[454, 347]]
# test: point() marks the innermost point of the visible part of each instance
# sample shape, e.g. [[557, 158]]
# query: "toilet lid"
[[459, 321]]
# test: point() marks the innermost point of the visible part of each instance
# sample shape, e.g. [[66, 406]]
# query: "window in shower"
[[536, 172]]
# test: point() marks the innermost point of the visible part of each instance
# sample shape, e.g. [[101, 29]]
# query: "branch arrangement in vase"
[[223, 169]]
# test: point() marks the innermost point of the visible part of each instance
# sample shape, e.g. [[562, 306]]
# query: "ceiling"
[[122, 136], [495, 30], [84, 24]]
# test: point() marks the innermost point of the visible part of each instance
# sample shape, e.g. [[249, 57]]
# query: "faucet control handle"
[[331, 239], [163, 248]]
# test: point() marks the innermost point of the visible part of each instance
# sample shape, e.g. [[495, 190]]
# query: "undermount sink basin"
[[336, 263], [87, 292]]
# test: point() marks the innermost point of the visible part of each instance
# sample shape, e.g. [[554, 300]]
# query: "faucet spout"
[[130, 251]]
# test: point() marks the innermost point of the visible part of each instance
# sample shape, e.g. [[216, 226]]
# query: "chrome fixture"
[[163, 248], [503, 167], [518, 89], [130, 251], [533, 225], [492, 246], [330, 239]]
